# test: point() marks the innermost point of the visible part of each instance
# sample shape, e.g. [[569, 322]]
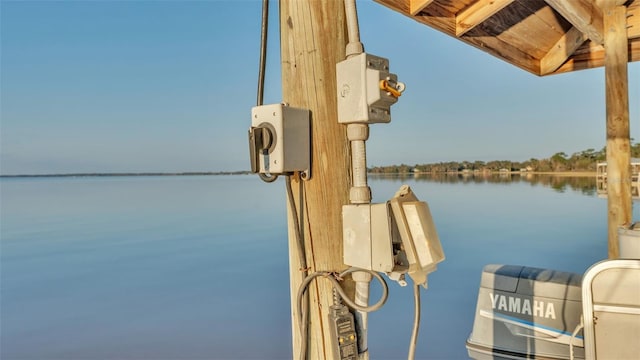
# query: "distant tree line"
[[585, 160], [583, 184]]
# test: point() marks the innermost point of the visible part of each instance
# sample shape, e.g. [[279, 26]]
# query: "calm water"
[[196, 267]]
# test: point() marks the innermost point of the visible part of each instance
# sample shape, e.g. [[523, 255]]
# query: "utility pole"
[[618, 136], [313, 40]]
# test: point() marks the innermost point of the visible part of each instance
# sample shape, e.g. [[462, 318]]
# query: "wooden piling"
[[618, 135], [313, 40]]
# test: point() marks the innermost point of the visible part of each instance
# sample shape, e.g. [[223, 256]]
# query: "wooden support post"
[[618, 135], [313, 40]]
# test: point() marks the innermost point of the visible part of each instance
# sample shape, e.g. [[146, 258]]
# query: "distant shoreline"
[[195, 173], [218, 173], [482, 173], [565, 173]]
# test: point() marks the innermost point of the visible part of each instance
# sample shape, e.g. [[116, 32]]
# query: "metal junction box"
[[367, 237], [360, 96], [288, 146]]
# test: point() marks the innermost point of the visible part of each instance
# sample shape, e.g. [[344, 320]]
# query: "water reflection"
[[601, 184], [157, 267], [582, 184]]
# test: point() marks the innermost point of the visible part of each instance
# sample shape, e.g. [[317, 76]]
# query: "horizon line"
[[145, 173]]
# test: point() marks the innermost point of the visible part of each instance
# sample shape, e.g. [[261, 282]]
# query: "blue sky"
[[116, 86]]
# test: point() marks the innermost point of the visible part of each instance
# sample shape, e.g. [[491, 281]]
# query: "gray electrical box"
[[279, 139], [366, 89]]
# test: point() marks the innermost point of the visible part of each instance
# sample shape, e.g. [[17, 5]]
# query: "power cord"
[[263, 50], [334, 279], [303, 303], [416, 322], [263, 62], [579, 327]]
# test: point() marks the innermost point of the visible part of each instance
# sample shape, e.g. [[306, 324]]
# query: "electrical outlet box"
[[366, 89], [418, 233], [367, 237], [371, 240], [279, 139]]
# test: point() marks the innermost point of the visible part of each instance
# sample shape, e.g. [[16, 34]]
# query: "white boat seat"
[[611, 310]]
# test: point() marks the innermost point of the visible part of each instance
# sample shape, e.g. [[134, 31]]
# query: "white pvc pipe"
[[363, 282], [352, 20], [357, 135], [360, 192], [359, 163], [354, 46]]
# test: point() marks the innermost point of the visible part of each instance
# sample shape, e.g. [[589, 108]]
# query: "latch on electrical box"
[[279, 140]]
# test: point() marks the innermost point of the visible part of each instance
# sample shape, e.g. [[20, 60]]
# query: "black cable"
[[263, 50], [296, 224], [263, 63], [302, 259]]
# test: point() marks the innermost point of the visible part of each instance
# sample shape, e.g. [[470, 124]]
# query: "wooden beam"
[[618, 135], [437, 17], [590, 56], [416, 6], [608, 3], [313, 40], [521, 25], [585, 16], [475, 14], [506, 52], [562, 50]]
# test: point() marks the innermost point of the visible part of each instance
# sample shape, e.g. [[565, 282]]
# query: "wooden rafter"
[[535, 35], [504, 50], [416, 6], [562, 50], [475, 14], [585, 16]]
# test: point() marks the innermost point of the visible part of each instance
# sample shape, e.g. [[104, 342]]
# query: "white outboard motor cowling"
[[524, 312]]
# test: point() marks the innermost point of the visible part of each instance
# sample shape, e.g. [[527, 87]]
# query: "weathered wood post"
[[618, 135], [313, 40]]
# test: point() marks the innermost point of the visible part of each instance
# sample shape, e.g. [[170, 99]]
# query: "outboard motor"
[[524, 312]]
